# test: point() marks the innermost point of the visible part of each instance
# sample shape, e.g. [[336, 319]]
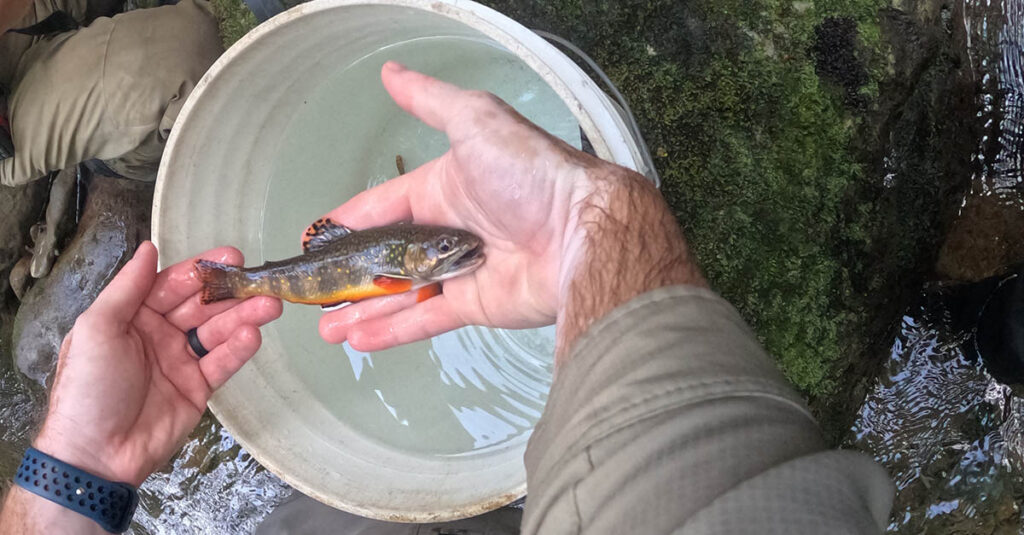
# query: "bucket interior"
[[291, 123]]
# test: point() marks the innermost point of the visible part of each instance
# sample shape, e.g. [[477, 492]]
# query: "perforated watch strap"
[[110, 504]]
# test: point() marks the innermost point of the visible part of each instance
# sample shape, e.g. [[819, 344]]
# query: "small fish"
[[340, 265]]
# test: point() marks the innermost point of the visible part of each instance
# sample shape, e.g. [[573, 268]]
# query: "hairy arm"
[[625, 243]]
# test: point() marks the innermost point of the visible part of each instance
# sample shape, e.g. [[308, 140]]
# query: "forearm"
[[625, 242]]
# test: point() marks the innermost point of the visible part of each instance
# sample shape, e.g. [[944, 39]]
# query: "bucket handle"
[[631, 124]]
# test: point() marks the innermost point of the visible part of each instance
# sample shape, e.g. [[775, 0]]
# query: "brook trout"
[[339, 265]]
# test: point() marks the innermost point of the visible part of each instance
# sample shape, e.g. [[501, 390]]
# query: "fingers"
[[193, 313], [255, 311], [334, 325], [419, 322], [179, 282], [224, 360], [121, 299], [428, 99]]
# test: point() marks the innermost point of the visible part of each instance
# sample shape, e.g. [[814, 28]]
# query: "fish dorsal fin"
[[322, 232]]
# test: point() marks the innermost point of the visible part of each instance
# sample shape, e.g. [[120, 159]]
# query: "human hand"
[[128, 388], [505, 180]]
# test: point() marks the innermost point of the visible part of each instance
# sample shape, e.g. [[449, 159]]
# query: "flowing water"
[[948, 432]]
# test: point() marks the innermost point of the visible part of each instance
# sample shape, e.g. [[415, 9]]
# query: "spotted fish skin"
[[340, 265]]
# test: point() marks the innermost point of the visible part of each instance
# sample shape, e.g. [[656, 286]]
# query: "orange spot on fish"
[[427, 292]]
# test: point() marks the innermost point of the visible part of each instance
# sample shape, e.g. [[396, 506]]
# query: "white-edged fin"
[[335, 306]]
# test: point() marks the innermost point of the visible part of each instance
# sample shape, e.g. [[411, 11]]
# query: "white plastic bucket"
[[220, 176]]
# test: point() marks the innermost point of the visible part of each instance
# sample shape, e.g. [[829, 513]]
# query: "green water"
[[465, 392]]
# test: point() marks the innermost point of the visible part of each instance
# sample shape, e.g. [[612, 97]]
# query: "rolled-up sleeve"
[[670, 418]]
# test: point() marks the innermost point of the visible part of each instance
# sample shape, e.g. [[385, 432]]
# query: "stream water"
[[949, 433]]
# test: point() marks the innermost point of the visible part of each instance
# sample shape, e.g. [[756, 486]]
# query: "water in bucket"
[[461, 393]]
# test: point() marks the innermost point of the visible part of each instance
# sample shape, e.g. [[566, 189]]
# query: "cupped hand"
[[505, 180], [128, 388]]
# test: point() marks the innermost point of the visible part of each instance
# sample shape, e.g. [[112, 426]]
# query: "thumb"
[[121, 299]]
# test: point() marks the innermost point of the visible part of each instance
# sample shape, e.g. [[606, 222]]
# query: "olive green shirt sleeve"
[[670, 418]]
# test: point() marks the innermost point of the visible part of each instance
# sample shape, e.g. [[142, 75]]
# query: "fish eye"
[[445, 245]]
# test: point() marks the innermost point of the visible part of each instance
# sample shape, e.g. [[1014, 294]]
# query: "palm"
[[519, 231], [128, 357], [503, 179]]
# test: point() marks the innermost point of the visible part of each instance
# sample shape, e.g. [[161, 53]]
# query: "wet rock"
[[20, 207], [114, 222], [21, 278], [984, 239]]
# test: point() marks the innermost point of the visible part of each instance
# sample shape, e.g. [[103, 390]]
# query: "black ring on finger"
[[195, 344]]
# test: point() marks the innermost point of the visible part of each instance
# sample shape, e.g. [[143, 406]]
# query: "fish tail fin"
[[217, 284]]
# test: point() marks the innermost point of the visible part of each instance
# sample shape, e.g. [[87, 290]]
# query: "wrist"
[[84, 455], [622, 241], [593, 188]]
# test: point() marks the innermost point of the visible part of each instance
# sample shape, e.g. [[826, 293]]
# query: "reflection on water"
[[19, 414], [995, 42], [465, 392], [212, 486], [986, 236], [486, 386], [948, 433]]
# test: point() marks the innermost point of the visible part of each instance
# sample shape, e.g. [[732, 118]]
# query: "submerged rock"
[[20, 207], [114, 222]]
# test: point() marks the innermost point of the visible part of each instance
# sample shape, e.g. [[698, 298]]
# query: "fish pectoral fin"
[[393, 284], [322, 232], [427, 292], [335, 306]]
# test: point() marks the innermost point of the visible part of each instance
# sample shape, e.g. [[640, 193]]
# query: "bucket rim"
[[583, 97]]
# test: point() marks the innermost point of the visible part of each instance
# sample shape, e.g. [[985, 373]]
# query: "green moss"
[[756, 152], [235, 20]]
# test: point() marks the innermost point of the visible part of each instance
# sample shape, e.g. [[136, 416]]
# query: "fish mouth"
[[466, 262]]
